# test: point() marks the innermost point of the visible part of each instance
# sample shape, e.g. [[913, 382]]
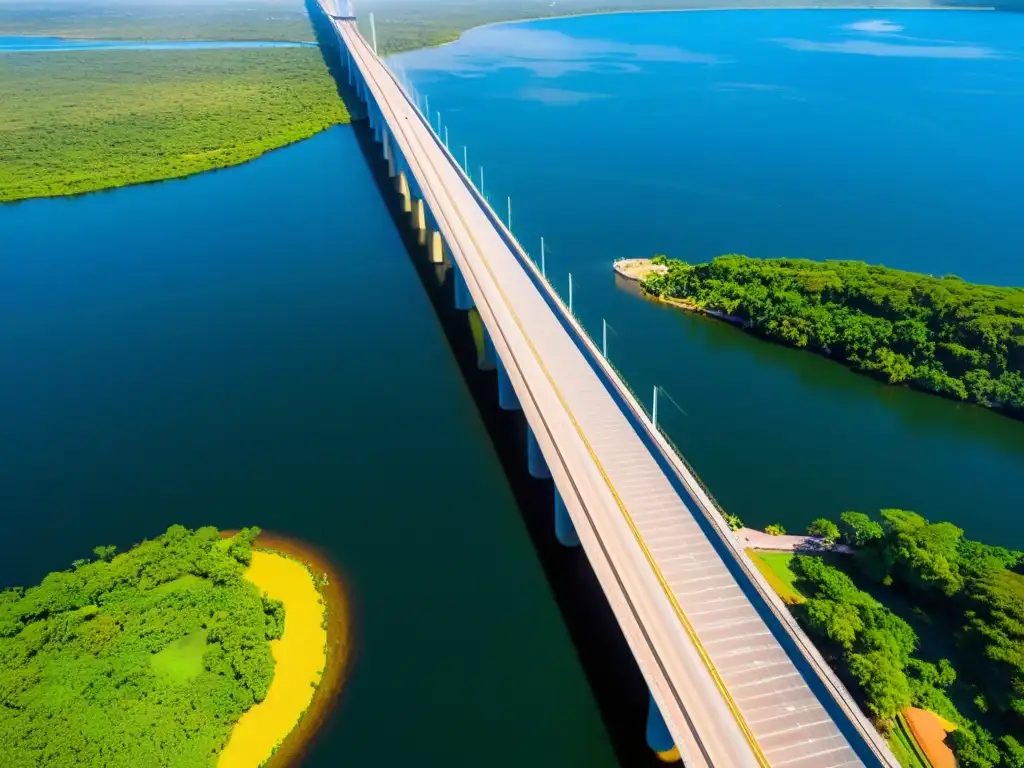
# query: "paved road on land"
[[730, 693]]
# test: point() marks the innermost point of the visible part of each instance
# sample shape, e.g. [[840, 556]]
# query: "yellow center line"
[[748, 735]]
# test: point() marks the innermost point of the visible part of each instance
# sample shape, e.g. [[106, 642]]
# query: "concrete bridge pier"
[[565, 531], [378, 130], [507, 398], [488, 360], [389, 156], [402, 185], [463, 299], [535, 458], [419, 216], [435, 247], [658, 737]]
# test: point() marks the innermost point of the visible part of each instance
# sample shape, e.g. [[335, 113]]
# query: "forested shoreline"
[[938, 334], [969, 592], [78, 122], [139, 659]]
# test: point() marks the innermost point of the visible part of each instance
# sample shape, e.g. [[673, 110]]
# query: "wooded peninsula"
[[81, 121], [173, 653], [938, 334], [918, 616]]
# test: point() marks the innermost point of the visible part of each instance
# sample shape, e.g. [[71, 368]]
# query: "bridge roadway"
[[737, 684]]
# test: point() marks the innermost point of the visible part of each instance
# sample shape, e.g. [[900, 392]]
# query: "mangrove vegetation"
[[80, 121], [144, 658], [938, 334]]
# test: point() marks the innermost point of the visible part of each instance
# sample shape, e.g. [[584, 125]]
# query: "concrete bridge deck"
[[737, 684]]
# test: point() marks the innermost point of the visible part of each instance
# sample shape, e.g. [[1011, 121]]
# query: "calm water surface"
[[252, 346], [891, 137]]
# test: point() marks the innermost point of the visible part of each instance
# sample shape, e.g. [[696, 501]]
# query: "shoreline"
[[292, 746], [705, 9], [305, 43], [176, 177], [636, 270]]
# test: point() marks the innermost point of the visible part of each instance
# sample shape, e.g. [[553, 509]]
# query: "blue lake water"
[[25, 44], [891, 137]]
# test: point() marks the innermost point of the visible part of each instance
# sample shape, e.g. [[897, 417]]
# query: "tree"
[[105, 552], [775, 529], [733, 522], [859, 530], [926, 555], [995, 630], [1012, 751], [940, 335], [885, 686], [974, 747], [826, 529], [885, 631], [839, 622]]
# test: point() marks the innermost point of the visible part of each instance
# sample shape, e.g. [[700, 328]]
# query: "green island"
[[918, 619], [150, 657], [937, 334], [81, 121]]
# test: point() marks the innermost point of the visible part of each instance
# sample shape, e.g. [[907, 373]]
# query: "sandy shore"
[[310, 658], [638, 269]]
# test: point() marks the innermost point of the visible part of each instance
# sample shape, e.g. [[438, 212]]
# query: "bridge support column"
[[419, 216], [506, 393], [403, 192], [463, 298], [535, 458], [488, 357], [435, 247], [389, 155], [565, 531], [658, 737]]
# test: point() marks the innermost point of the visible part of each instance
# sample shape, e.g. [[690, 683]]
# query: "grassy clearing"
[[776, 568], [182, 660], [76, 122]]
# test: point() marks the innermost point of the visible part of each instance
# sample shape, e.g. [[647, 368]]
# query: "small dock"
[[637, 269]]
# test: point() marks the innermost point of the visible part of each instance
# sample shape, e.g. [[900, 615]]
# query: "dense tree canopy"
[[79, 121], [141, 659], [942, 335], [968, 586]]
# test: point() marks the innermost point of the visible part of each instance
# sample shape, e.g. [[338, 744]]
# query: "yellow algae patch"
[[300, 657]]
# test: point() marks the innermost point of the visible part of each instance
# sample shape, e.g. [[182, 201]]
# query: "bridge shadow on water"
[[612, 673], [331, 53]]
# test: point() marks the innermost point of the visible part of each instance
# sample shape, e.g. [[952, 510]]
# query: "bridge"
[[733, 680]]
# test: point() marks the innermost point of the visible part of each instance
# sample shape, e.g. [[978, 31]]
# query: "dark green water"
[[253, 346]]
